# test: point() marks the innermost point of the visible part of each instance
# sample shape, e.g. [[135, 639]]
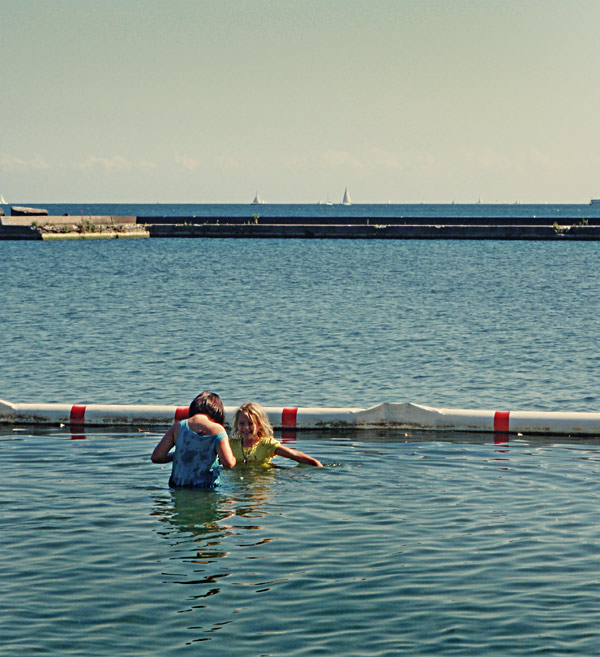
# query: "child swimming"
[[200, 442], [253, 440]]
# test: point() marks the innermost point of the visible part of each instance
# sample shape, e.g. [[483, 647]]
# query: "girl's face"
[[246, 428]]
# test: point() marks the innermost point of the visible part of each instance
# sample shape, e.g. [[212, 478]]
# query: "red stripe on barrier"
[[288, 418], [77, 415], [182, 413], [501, 421]]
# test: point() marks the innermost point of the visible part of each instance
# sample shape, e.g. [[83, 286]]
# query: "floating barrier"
[[382, 416]]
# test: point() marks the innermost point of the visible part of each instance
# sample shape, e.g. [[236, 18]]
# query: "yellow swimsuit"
[[259, 454]]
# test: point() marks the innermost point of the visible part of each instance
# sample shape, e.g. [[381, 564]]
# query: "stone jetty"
[[44, 227]]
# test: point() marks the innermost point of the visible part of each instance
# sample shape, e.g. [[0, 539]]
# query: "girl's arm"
[[226, 456], [166, 444], [297, 455]]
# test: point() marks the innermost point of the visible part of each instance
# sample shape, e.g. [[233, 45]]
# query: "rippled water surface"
[[509, 325], [400, 545], [416, 544]]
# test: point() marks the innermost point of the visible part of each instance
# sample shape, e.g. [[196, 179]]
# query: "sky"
[[211, 101]]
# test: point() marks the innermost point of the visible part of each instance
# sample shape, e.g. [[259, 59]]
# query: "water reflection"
[[253, 486], [196, 513], [205, 527]]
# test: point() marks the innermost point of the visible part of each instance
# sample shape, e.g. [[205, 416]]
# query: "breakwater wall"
[[69, 227], [366, 220], [379, 231], [457, 228]]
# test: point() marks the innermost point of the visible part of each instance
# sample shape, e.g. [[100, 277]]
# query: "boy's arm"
[[226, 456], [297, 455], [166, 444]]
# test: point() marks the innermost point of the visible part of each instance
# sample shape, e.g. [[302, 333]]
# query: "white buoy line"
[[381, 416]]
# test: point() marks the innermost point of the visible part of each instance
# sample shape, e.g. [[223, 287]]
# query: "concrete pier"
[[66, 220], [378, 231], [69, 227], [19, 233], [369, 220], [466, 228]]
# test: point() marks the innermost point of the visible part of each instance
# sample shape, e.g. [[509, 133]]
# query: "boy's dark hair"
[[210, 404]]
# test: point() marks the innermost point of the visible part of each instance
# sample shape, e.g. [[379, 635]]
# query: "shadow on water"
[[296, 438], [393, 435]]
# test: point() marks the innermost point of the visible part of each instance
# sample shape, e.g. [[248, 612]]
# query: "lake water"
[[400, 545], [405, 543], [302, 323], [382, 210]]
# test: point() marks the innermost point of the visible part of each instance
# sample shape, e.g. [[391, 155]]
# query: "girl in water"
[[253, 440], [200, 443]]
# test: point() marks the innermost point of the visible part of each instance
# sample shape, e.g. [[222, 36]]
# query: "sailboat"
[[346, 200], [257, 200], [2, 200]]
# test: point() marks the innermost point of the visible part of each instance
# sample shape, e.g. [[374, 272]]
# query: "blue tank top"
[[195, 462]]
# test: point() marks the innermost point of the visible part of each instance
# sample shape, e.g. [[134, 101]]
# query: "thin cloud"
[[228, 162], [333, 159], [373, 160], [187, 162], [330, 159], [12, 163], [385, 159], [109, 164]]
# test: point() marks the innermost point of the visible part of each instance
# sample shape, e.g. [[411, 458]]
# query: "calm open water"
[[374, 210], [416, 544]]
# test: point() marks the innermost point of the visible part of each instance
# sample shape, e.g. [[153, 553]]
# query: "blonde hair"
[[258, 415]]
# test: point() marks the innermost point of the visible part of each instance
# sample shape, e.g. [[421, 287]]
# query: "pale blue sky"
[[212, 100]]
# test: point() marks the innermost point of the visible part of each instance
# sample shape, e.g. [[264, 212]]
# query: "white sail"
[[257, 199], [346, 200], [2, 200]]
